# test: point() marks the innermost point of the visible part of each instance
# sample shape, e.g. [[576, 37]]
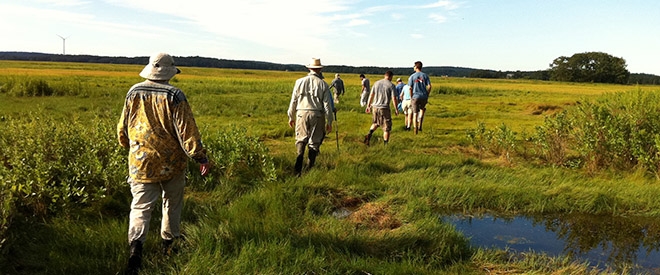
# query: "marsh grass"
[[253, 216]]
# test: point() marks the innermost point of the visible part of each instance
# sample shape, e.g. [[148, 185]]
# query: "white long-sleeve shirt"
[[311, 93]]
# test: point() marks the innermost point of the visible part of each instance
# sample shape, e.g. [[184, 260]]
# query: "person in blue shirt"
[[420, 86], [399, 88]]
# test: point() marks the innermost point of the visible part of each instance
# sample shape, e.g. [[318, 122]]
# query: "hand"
[[292, 123], [328, 128], [367, 110], [396, 111], [204, 169]]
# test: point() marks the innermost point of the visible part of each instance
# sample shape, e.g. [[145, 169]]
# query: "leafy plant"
[[501, 141]]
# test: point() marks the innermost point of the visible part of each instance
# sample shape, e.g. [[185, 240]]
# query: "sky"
[[504, 35]]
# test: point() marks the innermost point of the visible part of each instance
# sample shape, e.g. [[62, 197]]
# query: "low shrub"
[[54, 166], [235, 157], [30, 86], [618, 131], [51, 167], [500, 141]]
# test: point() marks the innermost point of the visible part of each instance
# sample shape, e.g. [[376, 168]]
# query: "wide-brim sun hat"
[[315, 64], [160, 67]]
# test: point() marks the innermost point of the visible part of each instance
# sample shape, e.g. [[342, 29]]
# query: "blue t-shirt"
[[399, 88], [406, 95], [418, 81]]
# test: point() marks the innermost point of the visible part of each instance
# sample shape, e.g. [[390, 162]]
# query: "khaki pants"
[[145, 197], [310, 128]]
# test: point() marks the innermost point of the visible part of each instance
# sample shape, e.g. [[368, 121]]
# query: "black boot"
[[299, 165], [312, 157], [167, 247], [135, 259], [300, 149]]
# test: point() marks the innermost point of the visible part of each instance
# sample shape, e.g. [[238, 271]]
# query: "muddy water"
[[605, 242]]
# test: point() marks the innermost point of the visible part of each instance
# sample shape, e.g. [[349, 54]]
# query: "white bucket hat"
[[160, 67], [315, 64]]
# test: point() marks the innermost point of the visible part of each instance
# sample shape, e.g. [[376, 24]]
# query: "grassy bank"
[[252, 216]]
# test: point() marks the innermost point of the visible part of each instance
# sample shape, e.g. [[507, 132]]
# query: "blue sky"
[[484, 34]]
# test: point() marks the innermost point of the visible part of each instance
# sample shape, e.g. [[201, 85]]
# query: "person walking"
[[399, 91], [158, 127], [310, 112], [406, 108], [364, 95], [338, 85], [399, 88], [382, 93], [420, 86]]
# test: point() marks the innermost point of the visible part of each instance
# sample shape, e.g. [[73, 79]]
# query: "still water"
[[603, 241]]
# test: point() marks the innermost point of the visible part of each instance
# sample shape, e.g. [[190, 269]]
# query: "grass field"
[[252, 216]]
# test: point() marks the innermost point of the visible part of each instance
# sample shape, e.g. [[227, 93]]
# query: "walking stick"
[[337, 131]]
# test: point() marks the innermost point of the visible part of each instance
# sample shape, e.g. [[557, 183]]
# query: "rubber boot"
[[299, 165], [135, 259], [300, 148], [312, 157], [167, 247]]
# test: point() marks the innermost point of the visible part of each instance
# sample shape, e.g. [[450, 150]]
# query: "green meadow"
[[488, 146]]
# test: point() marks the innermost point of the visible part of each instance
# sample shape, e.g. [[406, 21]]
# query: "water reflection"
[[606, 242]]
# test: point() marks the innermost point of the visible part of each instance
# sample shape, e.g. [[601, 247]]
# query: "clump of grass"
[[512, 262]]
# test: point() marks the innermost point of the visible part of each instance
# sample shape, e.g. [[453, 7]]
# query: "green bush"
[[51, 167], [501, 141], [618, 131], [235, 157], [55, 166], [553, 138]]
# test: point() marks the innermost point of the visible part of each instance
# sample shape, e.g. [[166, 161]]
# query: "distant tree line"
[[585, 67]]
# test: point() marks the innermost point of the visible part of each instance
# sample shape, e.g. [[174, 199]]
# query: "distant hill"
[[207, 62]]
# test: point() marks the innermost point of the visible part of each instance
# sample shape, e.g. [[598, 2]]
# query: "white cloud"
[[438, 18], [294, 25], [449, 5], [357, 22], [42, 14], [377, 9], [65, 3], [417, 36]]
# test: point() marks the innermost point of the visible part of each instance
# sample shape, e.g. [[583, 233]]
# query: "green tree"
[[596, 67]]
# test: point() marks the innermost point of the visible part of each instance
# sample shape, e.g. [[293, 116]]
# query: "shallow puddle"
[[605, 242]]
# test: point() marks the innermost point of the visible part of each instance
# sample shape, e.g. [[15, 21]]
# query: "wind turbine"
[[63, 44]]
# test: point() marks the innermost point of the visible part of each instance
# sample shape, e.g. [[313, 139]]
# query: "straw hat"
[[160, 67], [315, 64]]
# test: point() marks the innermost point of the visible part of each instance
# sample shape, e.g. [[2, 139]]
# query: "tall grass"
[[361, 210]]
